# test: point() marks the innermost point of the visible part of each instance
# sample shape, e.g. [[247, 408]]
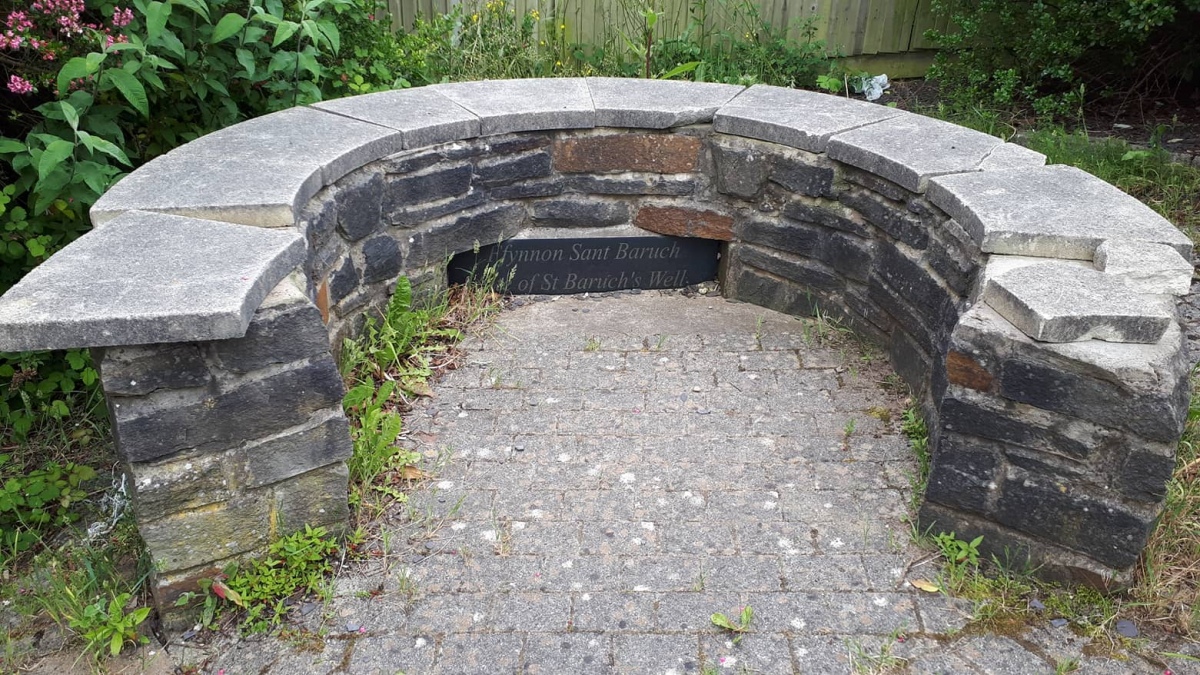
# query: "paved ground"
[[622, 467]]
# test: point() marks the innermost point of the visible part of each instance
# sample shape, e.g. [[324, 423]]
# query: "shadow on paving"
[[623, 466]]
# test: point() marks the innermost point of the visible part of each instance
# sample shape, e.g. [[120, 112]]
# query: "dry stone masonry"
[[1030, 307]]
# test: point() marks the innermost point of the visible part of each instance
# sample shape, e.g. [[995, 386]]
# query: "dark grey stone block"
[[760, 289], [489, 225], [324, 441], [578, 212], [134, 371], [803, 178], [741, 171], [359, 205], [427, 186], [1007, 426], [780, 234], [819, 215], [545, 187], [640, 185], [319, 218], [890, 219], [805, 272], [910, 320], [414, 216], [1143, 475], [963, 473], [508, 170], [1158, 416], [381, 259], [279, 335], [344, 281], [849, 255], [910, 361], [1053, 511], [150, 427], [913, 282]]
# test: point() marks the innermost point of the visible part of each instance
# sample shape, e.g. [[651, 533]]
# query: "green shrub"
[[1049, 55]]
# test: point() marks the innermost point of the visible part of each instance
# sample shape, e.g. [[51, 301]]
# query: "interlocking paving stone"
[[592, 521]]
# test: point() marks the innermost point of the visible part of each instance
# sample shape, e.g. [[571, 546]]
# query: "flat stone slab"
[[259, 172], [507, 106], [1056, 302], [1051, 212], [1150, 268], [794, 117], [910, 149], [656, 104], [422, 116], [184, 280]]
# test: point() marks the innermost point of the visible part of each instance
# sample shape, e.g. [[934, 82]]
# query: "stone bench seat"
[[1030, 307]]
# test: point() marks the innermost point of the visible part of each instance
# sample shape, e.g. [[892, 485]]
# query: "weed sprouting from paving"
[[738, 626]]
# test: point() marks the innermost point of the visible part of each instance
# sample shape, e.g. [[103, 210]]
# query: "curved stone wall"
[[1029, 306]]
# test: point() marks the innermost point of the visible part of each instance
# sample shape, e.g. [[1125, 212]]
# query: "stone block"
[[1017, 212], [319, 217], [967, 371], [910, 149], [416, 215], [910, 361], [185, 280], [382, 259], [289, 329], [1149, 268], [209, 533], [1157, 414], [893, 219], [322, 440], [781, 234], [656, 104], [430, 185], [575, 213], [964, 474], [161, 489], [851, 256], [826, 215], [506, 106], [682, 221], [488, 225], [1053, 302], [270, 166], [955, 259], [1011, 156], [544, 187], [794, 117], [620, 153], [318, 498], [801, 177], [870, 181], [993, 418], [761, 289], [422, 115], [511, 169], [1147, 468], [344, 281], [134, 371], [652, 184], [911, 321], [742, 169], [1109, 532], [150, 427], [806, 273], [359, 204], [914, 282]]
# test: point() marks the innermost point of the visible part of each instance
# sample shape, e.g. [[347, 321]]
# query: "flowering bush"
[[95, 92]]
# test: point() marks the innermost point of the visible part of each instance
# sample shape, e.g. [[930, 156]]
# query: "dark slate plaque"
[[593, 264]]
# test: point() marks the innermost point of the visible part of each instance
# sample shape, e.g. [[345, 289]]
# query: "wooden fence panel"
[[848, 27]]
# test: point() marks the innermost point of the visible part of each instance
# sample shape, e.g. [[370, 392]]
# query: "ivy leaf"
[[227, 27], [130, 88], [53, 156]]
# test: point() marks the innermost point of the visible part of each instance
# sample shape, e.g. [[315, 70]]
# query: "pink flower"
[[19, 85], [122, 17]]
